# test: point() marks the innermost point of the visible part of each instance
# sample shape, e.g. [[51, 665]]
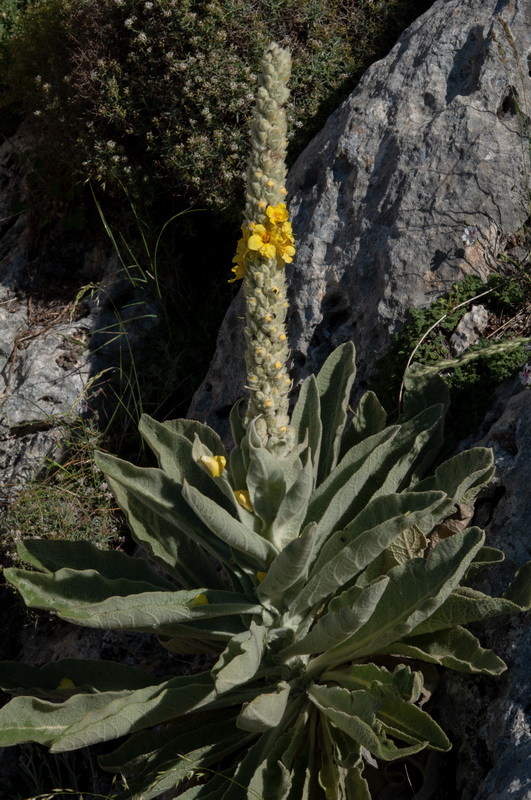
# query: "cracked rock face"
[[53, 343], [427, 145], [489, 719]]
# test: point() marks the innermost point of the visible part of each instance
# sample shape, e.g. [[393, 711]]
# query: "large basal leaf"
[[86, 598], [158, 760], [189, 428], [71, 675], [466, 605], [369, 535], [179, 457], [416, 447], [128, 713], [377, 679], [166, 543], [410, 724], [274, 779], [253, 762], [29, 719], [161, 495], [454, 648], [50, 555], [414, 592], [485, 557], [388, 464], [334, 383], [461, 476]]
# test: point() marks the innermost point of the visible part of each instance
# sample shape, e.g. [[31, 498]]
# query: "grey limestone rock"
[[490, 718], [427, 144], [58, 350]]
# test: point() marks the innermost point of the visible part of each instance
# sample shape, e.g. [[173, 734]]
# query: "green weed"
[[426, 339]]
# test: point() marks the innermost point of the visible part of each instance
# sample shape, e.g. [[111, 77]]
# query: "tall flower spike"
[[265, 248]]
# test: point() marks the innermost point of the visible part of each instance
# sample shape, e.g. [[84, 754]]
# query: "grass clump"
[[67, 501]]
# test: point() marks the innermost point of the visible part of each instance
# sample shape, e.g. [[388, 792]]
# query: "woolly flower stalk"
[[265, 248]]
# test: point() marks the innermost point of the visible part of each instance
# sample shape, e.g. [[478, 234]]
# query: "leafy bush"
[[156, 95]]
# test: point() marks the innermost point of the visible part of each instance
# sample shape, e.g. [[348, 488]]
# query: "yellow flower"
[[241, 254], [243, 498], [282, 238], [261, 576], [260, 241], [277, 214], [66, 683], [199, 600], [214, 464]]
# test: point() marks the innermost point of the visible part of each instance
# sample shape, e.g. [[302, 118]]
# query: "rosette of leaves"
[[320, 596]]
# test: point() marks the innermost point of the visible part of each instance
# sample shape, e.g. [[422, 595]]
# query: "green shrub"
[[156, 95], [471, 384]]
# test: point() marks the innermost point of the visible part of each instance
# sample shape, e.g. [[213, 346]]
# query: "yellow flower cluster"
[[271, 239]]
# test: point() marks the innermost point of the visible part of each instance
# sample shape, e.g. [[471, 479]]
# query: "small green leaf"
[[288, 568], [306, 419], [241, 659], [370, 418], [355, 714], [266, 485], [230, 530], [454, 648], [411, 543], [334, 383], [265, 711]]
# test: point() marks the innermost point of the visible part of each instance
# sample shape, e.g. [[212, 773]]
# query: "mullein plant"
[[313, 563]]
